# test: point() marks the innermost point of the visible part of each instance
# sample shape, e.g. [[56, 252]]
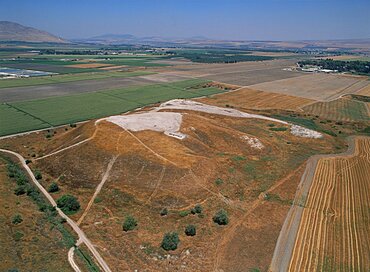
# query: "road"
[[82, 237], [288, 234]]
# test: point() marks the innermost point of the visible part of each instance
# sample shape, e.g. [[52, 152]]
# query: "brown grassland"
[[334, 231], [213, 167], [31, 245]]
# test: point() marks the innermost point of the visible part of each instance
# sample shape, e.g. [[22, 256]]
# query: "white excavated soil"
[[304, 132], [253, 142], [157, 121]]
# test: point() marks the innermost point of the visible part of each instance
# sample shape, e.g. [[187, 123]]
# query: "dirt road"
[[288, 234], [72, 261], [80, 233]]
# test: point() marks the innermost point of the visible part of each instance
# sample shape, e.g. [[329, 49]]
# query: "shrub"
[[197, 209], [184, 213], [53, 187], [221, 217], [130, 223], [164, 212], [278, 128], [219, 181], [68, 203], [190, 230], [20, 190], [170, 241], [17, 219], [28, 161], [37, 174]]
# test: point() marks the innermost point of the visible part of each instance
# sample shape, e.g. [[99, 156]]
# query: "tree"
[[20, 190], [170, 241], [190, 230], [197, 209], [68, 203], [53, 187], [130, 223], [221, 217], [17, 219]]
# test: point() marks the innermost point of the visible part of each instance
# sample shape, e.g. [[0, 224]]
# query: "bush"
[[17, 219], [197, 209], [68, 203], [130, 223], [190, 230], [20, 190], [164, 212], [28, 161], [221, 217], [170, 241], [37, 174], [184, 213], [53, 187], [219, 181]]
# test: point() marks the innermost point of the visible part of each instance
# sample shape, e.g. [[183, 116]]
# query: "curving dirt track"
[[327, 228]]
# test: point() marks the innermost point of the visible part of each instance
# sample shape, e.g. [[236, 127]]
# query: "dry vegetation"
[[333, 234], [213, 167], [31, 245], [252, 99]]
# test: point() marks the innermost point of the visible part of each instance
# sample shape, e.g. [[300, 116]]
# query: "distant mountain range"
[[10, 31]]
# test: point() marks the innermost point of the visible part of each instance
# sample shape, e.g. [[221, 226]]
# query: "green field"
[[13, 121], [42, 113], [32, 81]]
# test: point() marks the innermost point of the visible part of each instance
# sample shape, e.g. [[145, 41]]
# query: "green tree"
[[17, 219], [130, 223], [170, 241], [221, 217], [53, 187], [68, 203], [190, 230], [197, 209], [20, 190]]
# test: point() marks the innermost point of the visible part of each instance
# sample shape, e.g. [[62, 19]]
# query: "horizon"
[[267, 20]]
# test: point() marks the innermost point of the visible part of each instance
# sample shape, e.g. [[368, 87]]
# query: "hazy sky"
[[227, 19]]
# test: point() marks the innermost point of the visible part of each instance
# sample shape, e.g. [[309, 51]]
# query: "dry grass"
[[315, 86], [253, 99], [334, 231]]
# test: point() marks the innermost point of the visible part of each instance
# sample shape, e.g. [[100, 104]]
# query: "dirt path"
[[288, 234], [72, 261], [98, 188], [80, 233]]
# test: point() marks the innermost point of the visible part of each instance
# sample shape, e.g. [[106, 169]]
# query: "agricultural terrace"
[[41, 113], [342, 109], [333, 234], [254, 99]]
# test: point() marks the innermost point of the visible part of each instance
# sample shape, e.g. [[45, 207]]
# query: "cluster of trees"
[[358, 67], [217, 56], [68, 203]]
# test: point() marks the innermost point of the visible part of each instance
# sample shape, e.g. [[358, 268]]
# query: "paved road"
[[288, 234], [80, 233]]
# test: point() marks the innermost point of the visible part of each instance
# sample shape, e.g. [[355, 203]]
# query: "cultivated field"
[[322, 87], [334, 231], [246, 98], [242, 74], [54, 111], [365, 91], [342, 109]]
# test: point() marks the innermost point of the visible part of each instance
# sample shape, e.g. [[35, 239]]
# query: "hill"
[[10, 31]]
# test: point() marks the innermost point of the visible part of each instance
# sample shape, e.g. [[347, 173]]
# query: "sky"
[[216, 19]]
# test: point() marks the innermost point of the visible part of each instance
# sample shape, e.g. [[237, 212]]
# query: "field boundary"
[[27, 113]]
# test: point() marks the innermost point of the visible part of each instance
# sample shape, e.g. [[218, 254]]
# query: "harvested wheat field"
[[334, 230], [324, 87], [365, 91], [253, 99], [342, 109]]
